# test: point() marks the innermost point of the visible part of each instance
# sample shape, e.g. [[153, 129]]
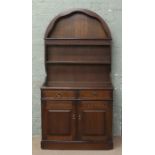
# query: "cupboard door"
[[58, 120], [95, 120]]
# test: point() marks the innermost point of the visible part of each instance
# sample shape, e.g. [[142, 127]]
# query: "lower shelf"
[[77, 85], [76, 145]]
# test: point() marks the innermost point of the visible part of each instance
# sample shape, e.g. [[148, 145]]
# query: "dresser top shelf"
[[79, 62], [78, 52]]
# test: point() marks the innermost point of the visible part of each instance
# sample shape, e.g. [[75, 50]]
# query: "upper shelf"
[[77, 41], [79, 62]]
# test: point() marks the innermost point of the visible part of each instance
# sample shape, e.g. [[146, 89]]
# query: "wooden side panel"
[[95, 118], [59, 121]]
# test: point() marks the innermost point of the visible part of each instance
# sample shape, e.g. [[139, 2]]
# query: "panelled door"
[[94, 120], [59, 120], [84, 121]]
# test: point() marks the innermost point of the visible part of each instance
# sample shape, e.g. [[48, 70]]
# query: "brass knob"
[[94, 93], [79, 117], [58, 95], [74, 116]]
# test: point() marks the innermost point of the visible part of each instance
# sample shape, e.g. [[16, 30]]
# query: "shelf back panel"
[[77, 73], [78, 53], [77, 25]]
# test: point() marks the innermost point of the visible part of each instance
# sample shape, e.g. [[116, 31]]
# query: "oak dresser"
[[76, 98]]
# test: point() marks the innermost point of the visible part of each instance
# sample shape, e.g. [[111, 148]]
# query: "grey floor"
[[38, 151]]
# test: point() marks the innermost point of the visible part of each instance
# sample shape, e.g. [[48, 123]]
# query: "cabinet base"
[[76, 145]]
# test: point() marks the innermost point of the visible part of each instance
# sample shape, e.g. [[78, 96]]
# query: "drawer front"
[[58, 94], [96, 94]]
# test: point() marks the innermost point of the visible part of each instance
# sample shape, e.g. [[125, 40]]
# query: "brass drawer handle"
[[79, 117], [94, 93], [74, 116], [58, 95]]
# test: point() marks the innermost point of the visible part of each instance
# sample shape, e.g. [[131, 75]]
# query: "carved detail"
[[83, 11]]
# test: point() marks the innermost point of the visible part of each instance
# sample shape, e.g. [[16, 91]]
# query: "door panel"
[[93, 120], [59, 120]]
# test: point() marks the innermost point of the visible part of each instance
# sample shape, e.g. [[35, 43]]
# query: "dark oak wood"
[[66, 42], [96, 94], [73, 54], [75, 26], [94, 120], [78, 62], [59, 120], [77, 93], [57, 94]]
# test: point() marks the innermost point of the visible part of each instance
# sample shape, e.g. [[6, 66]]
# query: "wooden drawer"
[[58, 94], [96, 94]]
